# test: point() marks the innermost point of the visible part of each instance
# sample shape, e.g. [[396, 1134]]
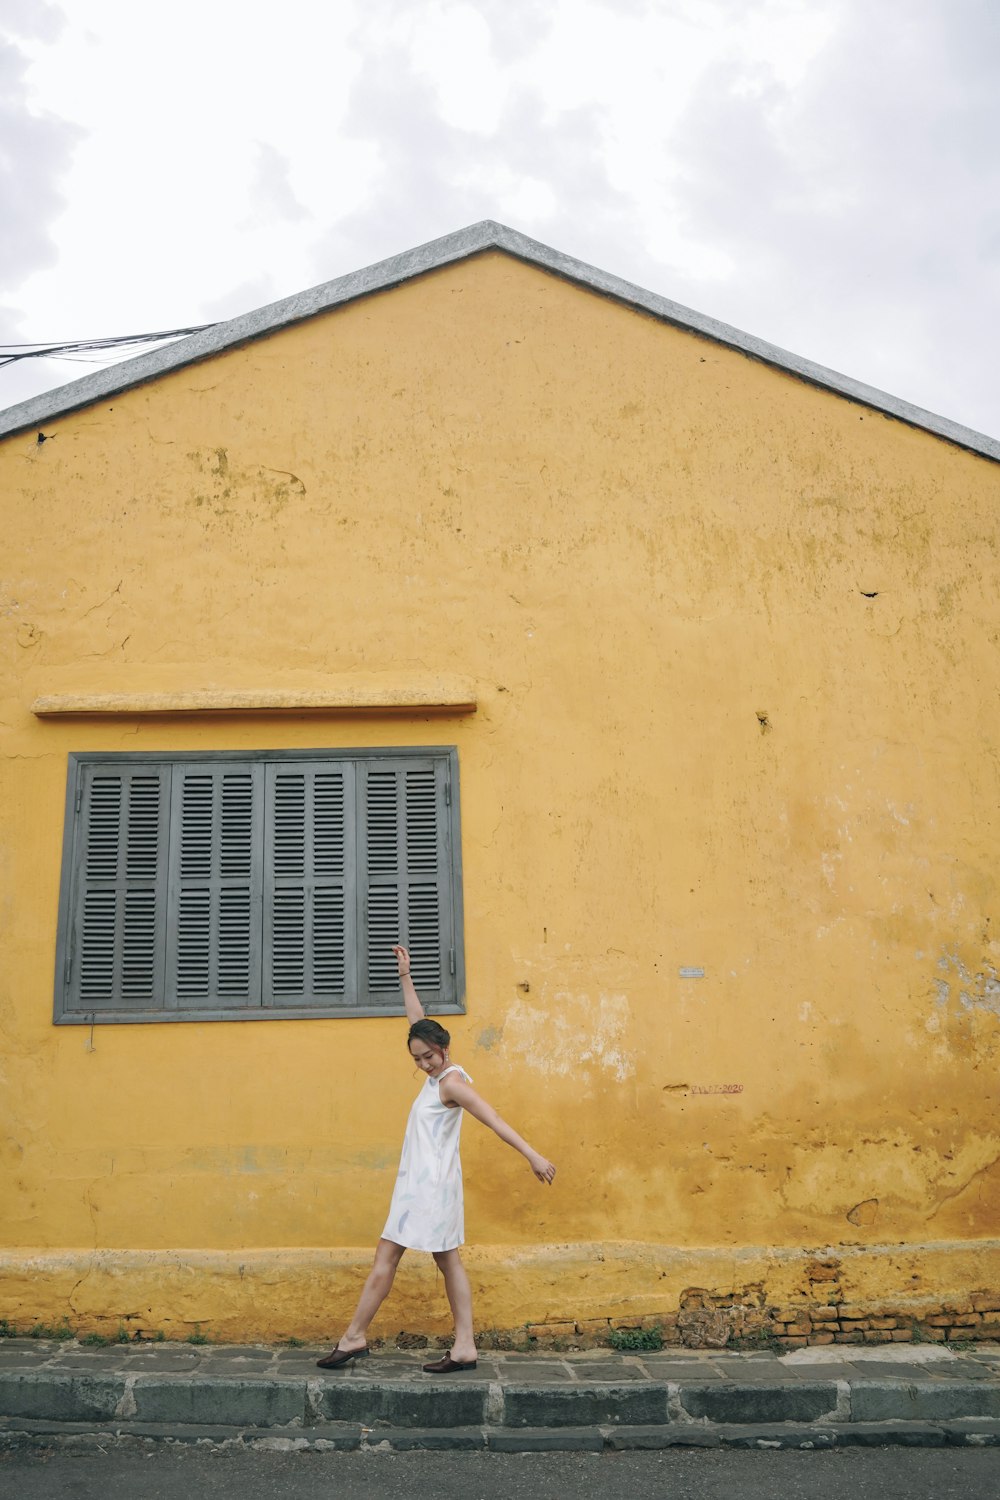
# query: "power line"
[[73, 349]]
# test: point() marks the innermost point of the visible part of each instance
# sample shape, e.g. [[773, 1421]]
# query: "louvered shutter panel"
[[115, 960], [406, 889], [216, 850], [310, 943]]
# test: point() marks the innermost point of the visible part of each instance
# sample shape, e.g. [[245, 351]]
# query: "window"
[[260, 885]]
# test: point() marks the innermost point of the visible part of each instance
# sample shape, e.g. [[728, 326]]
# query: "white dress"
[[427, 1211]]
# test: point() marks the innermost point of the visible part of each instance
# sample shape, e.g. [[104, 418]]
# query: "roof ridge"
[[487, 234]]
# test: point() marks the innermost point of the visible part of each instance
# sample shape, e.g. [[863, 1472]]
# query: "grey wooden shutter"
[[115, 953], [404, 864], [309, 884], [214, 914]]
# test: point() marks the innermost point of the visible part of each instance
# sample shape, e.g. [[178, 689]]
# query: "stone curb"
[[20, 1435], [276, 1399]]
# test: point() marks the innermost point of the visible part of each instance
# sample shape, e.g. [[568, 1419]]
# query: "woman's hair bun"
[[430, 1032]]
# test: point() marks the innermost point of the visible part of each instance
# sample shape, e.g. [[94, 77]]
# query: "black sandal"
[[339, 1357]]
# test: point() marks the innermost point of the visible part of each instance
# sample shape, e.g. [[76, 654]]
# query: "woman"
[[426, 1212]]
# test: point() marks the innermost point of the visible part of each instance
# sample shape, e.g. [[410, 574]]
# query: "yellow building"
[[641, 675]]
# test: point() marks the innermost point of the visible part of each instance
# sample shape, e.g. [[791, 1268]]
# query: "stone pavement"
[[55, 1393]]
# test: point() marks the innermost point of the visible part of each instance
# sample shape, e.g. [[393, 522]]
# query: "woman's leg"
[[380, 1278], [456, 1284]]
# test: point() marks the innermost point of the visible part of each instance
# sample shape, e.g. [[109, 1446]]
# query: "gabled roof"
[[486, 235]]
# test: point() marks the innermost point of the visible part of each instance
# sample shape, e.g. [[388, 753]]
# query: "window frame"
[[65, 1014]]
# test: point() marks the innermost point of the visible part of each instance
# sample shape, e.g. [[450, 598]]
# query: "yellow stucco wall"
[[699, 744]]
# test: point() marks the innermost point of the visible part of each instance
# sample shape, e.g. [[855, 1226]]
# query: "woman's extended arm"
[[455, 1090], [414, 1010]]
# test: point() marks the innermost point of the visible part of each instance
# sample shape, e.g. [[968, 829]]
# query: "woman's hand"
[[402, 959], [543, 1170]]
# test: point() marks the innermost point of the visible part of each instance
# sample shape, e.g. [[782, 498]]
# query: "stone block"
[[759, 1402], [584, 1406], [439, 1439], [771, 1435], [462, 1403], [592, 1325], [882, 1323], [792, 1343], [798, 1330], [849, 1338], [966, 1319], [938, 1320], [821, 1338], [890, 1435], [674, 1435], [546, 1440], [986, 1302], [236, 1402], [853, 1325], [958, 1308], [831, 1327], [901, 1336], [62, 1397], [926, 1400], [850, 1311], [974, 1432], [932, 1335], [824, 1314]]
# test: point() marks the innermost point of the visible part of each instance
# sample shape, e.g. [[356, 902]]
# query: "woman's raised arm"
[[414, 1010]]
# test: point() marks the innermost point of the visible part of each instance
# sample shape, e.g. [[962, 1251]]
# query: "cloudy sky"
[[822, 173]]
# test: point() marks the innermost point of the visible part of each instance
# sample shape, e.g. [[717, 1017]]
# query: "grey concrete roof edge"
[[486, 235]]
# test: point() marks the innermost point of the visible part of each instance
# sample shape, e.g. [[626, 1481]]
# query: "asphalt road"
[[190, 1473]]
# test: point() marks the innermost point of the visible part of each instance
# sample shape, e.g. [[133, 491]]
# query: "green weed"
[[636, 1338]]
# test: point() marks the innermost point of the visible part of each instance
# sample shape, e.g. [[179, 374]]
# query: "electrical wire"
[[77, 349]]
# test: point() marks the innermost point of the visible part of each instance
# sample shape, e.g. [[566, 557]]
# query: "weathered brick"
[[938, 1320], [882, 1323], [821, 1338], [792, 1343], [967, 1319], [958, 1308], [932, 1335], [848, 1338], [825, 1314], [873, 1336], [986, 1302], [592, 1325], [825, 1327], [850, 1310], [963, 1331], [549, 1333], [901, 1336], [798, 1330], [789, 1314], [626, 1322], [848, 1325]]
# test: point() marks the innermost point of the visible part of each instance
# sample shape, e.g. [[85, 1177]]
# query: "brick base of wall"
[[707, 1319]]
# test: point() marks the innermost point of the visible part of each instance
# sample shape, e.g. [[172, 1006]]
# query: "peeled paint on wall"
[[569, 1034]]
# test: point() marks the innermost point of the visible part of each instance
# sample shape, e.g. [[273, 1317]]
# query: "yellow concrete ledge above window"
[[438, 696]]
